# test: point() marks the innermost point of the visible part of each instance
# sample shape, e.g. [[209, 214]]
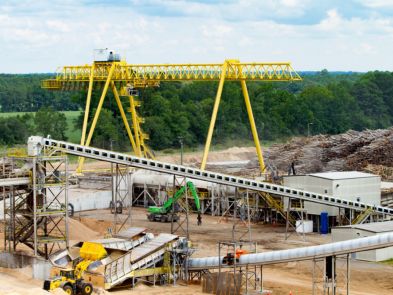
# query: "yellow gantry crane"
[[123, 79]]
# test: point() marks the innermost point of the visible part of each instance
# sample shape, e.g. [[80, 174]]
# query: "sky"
[[338, 35]]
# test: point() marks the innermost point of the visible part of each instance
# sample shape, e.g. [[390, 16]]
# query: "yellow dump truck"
[[70, 279]]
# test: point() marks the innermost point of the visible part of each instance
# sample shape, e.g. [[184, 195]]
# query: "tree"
[[370, 99], [50, 122]]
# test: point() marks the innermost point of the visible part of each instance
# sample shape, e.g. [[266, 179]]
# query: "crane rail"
[[36, 143]]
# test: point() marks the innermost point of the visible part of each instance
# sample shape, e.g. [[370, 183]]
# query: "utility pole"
[[180, 138], [308, 128]]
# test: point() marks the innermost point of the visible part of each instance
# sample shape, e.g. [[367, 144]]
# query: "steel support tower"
[[36, 212]]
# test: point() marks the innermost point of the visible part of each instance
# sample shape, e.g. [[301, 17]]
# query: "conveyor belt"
[[36, 143], [298, 254], [14, 181], [121, 244], [140, 257]]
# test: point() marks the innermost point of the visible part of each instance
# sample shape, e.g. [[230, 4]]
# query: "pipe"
[[304, 253]]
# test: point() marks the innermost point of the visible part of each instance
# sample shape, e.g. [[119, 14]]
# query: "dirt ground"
[[366, 278]]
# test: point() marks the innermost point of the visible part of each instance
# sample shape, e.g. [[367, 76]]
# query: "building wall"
[[365, 189], [384, 254], [346, 233], [317, 185], [88, 199], [340, 234]]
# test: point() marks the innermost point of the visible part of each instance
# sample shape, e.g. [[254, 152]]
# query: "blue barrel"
[[324, 228]]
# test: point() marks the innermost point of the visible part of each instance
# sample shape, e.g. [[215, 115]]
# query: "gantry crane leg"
[[253, 126], [135, 125], [96, 116], [214, 116], [123, 115], [87, 107]]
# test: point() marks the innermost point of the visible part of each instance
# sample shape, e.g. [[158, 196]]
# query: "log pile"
[[369, 150]]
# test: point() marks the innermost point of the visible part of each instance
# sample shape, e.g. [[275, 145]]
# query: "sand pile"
[[58, 291], [80, 232]]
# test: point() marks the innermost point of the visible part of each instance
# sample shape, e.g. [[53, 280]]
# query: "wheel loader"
[[70, 279]]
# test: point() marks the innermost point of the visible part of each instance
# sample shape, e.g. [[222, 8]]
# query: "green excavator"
[[165, 214]]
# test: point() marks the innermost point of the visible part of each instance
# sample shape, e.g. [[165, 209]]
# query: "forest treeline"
[[327, 103]]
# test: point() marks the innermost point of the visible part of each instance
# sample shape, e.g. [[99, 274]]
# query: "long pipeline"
[[304, 253]]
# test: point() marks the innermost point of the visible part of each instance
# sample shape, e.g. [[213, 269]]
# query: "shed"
[[349, 185], [343, 233]]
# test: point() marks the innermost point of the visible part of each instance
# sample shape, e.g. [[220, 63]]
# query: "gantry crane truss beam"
[[117, 74], [145, 74]]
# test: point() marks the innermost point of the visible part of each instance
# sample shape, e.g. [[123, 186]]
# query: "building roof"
[[337, 175], [375, 227]]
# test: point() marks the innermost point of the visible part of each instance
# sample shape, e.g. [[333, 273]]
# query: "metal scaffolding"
[[36, 214], [331, 275], [121, 203]]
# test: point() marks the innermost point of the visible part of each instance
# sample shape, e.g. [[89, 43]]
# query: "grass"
[[388, 262], [72, 134]]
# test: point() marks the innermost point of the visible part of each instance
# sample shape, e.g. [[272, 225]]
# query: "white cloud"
[[377, 3], [65, 33]]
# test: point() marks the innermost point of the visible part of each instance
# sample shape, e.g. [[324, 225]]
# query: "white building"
[[343, 233], [348, 185]]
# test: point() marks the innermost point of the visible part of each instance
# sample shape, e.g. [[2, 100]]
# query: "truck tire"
[[68, 289], [87, 289], [164, 218], [70, 209], [119, 207], [112, 207]]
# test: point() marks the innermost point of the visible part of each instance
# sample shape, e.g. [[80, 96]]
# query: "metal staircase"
[[362, 216], [274, 204]]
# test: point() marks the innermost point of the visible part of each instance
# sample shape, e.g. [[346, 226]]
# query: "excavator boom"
[[160, 213]]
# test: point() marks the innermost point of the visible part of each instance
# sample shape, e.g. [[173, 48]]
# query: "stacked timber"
[[353, 150]]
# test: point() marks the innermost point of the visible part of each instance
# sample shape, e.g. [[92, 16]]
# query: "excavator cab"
[[164, 213]]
